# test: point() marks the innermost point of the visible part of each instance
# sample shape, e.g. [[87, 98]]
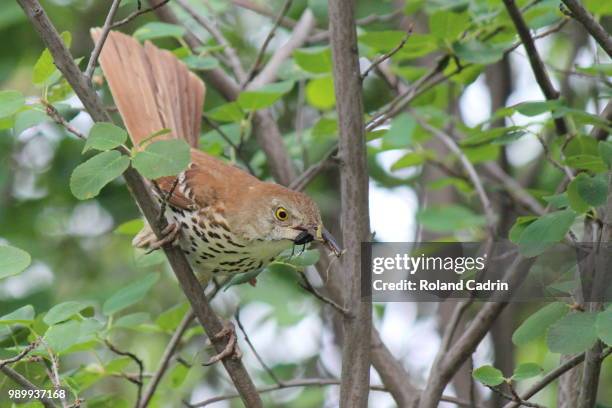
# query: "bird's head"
[[283, 214]]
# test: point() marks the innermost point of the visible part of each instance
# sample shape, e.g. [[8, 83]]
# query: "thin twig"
[[25, 383], [21, 354], [389, 54], [228, 50], [59, 119], [138, 13], [229, 141], [108, 23], [314, 382], [166, 357], [138, 362], [54, 371], [599, 33], [307, 286], [469, 168], [254, 350], [313, 171], [299, 36], [537, 66], [553, 375], [262, 51], [514, 398]]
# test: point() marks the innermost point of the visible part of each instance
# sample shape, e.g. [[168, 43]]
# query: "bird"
[[226, 221]]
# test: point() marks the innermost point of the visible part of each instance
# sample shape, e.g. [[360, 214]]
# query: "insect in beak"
[[328, 240]]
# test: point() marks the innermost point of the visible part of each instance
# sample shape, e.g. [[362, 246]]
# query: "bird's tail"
[[152, 89]]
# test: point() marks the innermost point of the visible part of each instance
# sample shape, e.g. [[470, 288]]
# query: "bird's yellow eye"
[[281, 214]]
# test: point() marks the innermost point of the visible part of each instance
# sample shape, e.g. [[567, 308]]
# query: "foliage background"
[[80, 254]]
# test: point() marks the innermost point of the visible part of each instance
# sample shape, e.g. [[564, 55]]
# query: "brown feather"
[[152, 89]]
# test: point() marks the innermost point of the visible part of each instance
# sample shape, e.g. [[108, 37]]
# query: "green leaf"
[[90, 177], [526, 370], [573, 333], [132, 320], [478, 52], [593, 190], [201, 63], [178, 375], [170, 319], [163, 158], [586, 162], [156, 29], [449, 218], [538, 323], [574, 198], [409, 160], [10, 103], [382, 41], [307, 258], [23, 315], [13, 261], [129, 295], [229, 112], [265, 96], [317, 60], [488, 375], [446, 25], [28, 118], [44, 70], [145, 260], [105, 136], [604, 326], [130, 228], [519, 226], [545, 232], [320, 92], [605, 151], [400, 133], [64, 311], [537, 108], [62, 336]]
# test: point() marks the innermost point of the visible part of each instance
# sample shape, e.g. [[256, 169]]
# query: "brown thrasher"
[[226, 221]]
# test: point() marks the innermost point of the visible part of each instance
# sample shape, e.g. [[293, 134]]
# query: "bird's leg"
[[146, 238], [231, 349]]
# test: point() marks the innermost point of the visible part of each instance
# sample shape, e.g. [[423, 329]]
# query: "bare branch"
[[21, 354], [357, 323], [552, 376], [166, 357], [316, 382], [25, 383], [537, 66], [136, 360], [469, 168], [138, 13], [600, 133], [93, 59], [142, 194], [313, 171], [298, 37], [603, 38], [387, 55], [307, 286], [228, 50], [262, 51]]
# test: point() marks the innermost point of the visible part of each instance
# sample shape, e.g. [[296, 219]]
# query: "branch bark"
[[603, 38], [25, 383], [354, 194], [537, 66], [141, 193]]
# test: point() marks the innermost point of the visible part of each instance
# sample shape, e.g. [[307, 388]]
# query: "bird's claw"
[[231, 349], [169, 235]]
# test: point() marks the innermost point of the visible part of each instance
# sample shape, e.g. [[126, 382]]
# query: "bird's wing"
[[152, 89]]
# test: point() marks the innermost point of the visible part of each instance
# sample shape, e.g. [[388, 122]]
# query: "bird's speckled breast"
[[213, 250]]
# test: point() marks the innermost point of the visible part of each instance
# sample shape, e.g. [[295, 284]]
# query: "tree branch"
[[537, 66], [93, 59], [355, 220], [298, 37], [387, 55], [262, 51], [141, 193], [25, 383], [585, 18], [138, 13]]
